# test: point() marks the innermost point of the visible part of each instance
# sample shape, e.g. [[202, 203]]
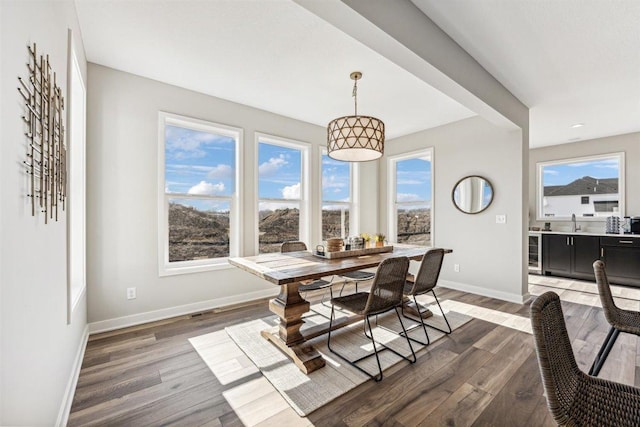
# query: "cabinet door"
[[557, 254], [622, 264], [586, 250]]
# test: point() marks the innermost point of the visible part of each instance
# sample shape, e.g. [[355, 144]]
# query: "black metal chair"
[[619, 319], [573, 397], [424, 282], [313, 285], [385, 295]]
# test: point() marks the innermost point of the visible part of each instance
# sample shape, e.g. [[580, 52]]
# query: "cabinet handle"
[[601, 252], [567, 240], [572, 241], [630, 242]]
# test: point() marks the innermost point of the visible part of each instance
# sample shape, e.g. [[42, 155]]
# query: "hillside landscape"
[[196, 234]]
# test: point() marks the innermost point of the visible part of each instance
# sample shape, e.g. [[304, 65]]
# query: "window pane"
[[198, 162], [336, 180], [335, 221], [413, 180], [278, 223], [414, 224], [566, 186], [279, 172], [198, 229]]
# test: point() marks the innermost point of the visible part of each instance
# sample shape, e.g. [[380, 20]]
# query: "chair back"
[[428, 273], [558, 367], [611, 312], [387, 286], [293, 247]]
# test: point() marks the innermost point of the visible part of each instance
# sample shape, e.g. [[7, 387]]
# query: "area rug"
[[306, 393]]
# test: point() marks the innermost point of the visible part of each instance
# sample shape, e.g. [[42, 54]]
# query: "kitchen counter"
[[586, 233]]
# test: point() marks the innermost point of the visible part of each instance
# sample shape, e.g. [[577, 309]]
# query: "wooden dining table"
[[288, 271]]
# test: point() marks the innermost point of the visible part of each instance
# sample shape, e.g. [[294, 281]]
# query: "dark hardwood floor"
[[484, 374]]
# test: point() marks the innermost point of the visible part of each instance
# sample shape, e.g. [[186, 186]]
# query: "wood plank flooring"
[[484, 374]]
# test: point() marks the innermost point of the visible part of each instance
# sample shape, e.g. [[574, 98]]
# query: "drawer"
[[631, 242]]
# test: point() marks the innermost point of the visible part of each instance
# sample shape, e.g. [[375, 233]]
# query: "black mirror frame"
[[453, 199]]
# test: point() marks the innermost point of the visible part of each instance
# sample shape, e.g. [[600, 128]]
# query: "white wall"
[[38, 348], [627, 143], [122, 203], [489, 254]]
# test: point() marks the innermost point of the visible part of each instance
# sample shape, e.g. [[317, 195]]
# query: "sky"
[[563, 174], [413, 180], [199, 163], [336, 180]]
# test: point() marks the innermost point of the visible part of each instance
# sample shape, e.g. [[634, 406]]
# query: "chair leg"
[[421, 321], [406, 335], [425, 323], [401, 334], [367, 323], [602, 355]]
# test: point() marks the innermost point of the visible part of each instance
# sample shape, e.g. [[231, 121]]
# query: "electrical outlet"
[[501, 219], [131, 293], [456, 268]]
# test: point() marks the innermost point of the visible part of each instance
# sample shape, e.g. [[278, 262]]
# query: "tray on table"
[[354, 252]]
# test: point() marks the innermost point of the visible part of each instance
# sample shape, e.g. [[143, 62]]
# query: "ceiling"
[[570, 61], [272, 55]]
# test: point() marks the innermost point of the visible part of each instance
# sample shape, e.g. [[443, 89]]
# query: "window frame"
[[166, 268], [540, 188], [392, 204], [77, 184], [354, 200], [305, 151]]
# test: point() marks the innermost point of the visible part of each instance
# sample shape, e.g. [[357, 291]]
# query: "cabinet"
[[621, 256], [570, 255]]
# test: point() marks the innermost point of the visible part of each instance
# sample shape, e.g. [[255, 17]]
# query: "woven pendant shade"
[[355, 138]]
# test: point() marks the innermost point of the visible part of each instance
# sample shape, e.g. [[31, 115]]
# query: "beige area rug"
[[306, 393]]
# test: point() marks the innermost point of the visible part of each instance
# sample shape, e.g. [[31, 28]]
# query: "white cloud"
[[271, 166], [551, 172], [332, 181], [220, 171], [207, 189], [291, 191], [408, 197]]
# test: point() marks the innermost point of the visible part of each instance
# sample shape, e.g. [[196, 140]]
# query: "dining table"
[[291, 269]]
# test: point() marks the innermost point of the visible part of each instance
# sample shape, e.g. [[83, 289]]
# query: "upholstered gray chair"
[[385, 295], [424, 282], [573, 397], [619, 319]]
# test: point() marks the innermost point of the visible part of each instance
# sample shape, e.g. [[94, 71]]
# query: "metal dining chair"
[[424, 282], [385, 295], [313, 285], [573, 397], [619, 319]]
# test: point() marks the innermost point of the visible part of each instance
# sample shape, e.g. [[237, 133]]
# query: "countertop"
[[585, 233]]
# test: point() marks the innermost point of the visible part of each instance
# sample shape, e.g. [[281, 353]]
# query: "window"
[[282, 192], [589, 187], [76, 181], [199, 212], [410, 208], [338, 216]]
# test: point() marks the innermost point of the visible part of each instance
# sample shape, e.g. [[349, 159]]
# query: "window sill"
[[189, 269]]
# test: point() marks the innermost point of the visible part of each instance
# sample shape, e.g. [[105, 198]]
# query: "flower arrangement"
[[379, 239], [366, 237]]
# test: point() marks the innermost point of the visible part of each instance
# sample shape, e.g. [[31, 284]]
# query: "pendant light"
[[355, 138]]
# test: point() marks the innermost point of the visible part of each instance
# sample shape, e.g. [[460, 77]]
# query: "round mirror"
[[472, 194]]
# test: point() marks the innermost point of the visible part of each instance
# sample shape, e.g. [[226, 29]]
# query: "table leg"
[[290, 307]]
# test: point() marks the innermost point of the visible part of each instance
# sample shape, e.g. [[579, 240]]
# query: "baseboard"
[[166, 313], [492, 293], [65, 408]]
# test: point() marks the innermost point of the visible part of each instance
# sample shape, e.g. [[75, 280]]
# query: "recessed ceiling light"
[[577, 125]]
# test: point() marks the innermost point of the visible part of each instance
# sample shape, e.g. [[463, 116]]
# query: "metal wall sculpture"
[[46, 162]]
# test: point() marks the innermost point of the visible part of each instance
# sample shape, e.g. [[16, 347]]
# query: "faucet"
[[574, 227]]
